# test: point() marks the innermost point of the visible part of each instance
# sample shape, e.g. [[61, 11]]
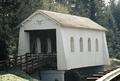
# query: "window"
[[49, 46], [81, 45], [96, 45], [89, 44], [72, 44], [38, 45]]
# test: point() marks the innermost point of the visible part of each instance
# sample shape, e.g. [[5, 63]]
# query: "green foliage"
[[13, 14], [7, 25], [54, 6], [81, 8], [27, 7], [114, 62], [107, 16], [114, 35], [94, 9]]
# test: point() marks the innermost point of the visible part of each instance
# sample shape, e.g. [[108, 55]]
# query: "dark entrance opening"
[[43, 47], [43, 41]]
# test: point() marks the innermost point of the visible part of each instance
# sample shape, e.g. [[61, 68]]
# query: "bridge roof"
[[67, 20]]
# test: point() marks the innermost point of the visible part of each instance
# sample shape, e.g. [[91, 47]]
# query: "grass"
[[14, 76], [11, 77], [115, 62]]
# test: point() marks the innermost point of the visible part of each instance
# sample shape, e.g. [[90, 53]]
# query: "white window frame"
[[89, 45], [81, 44], [72, 44], [96, 45]]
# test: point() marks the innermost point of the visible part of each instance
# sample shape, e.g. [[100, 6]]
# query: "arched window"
[[49, 45], [89, 44], [96, 45], [38, 45], [72, 44], [81, 45]]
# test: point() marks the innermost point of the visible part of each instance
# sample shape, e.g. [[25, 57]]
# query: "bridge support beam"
[[52, 75]]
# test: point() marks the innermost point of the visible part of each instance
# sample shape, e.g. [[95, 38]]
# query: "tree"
[[116, 13], [93, 9], [6, 13], [27, 7], [81, 8], [13, 14], [115, 44]]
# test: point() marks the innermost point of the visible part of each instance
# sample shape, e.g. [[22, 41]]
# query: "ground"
[[16, 75]]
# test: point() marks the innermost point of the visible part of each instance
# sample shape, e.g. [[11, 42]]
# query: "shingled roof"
[[67, 20]]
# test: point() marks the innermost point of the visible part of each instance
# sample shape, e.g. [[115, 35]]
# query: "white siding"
[[105, 51], [23, 42], [39, 22], [86, 58], [61, 57]]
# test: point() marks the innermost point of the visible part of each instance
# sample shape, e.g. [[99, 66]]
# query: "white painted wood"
[[38, 46], [86, 58], [49, 46], [65, 58], [23, 42], [35, 24], [61, 57]]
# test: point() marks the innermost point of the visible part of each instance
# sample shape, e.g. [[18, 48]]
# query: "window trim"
[[49, 45], [96, 45], [72, 47], [81, 44], [89, 45]]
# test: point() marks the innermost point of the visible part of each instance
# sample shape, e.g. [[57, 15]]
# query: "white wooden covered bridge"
[[76, 42]]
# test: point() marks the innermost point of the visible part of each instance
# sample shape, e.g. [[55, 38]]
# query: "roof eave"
[[81, 27]]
